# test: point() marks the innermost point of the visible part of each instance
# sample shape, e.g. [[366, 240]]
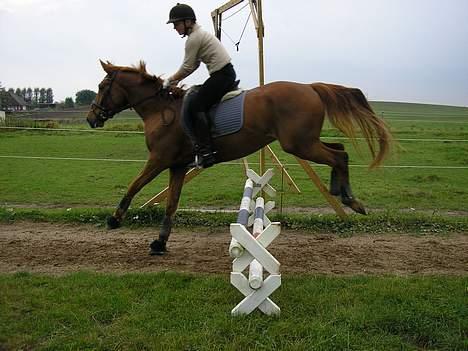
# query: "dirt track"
[[57, 249]]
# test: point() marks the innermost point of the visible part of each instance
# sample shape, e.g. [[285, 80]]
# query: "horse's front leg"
[[176, 180], [149, 172]]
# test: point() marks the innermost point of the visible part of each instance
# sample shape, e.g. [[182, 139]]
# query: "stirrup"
[[203, 161]]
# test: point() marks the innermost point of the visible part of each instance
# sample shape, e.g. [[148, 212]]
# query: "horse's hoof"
[[358, 207], [158, 248], [112, 223], [354, 204]]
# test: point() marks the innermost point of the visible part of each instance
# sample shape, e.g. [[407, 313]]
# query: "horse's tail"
[[347, 108]]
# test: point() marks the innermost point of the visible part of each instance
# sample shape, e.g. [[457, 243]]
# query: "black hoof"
[[158, 248], [355, 205], [112, 223]]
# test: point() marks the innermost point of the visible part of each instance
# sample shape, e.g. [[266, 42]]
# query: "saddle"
[[226, 117], [193, 91]]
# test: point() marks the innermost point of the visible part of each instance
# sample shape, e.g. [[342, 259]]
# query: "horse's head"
[[110, 99], [125, 87]]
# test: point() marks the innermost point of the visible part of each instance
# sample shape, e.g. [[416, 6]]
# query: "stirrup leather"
[[203, 160]]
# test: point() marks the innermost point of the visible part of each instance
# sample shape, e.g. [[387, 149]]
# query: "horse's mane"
[[141, 69]]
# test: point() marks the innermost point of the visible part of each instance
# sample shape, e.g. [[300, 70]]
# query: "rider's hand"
[[166, 83], [169, 82]]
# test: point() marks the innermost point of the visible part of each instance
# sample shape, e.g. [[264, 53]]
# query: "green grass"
[[168, 311], [171, 311], [86, 183], [91, 183], [424, 110], [382, 222]]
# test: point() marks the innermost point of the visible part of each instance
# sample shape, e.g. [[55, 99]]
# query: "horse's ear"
[[105, 66]]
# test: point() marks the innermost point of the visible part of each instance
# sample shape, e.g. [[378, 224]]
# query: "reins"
[[106, 113]]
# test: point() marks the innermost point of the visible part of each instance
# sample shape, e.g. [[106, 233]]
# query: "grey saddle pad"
[[226, 117]]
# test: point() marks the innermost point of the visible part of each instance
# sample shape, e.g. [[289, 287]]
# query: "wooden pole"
[[276, 162], [162, 195], [260, 33], [318, 183], [261, 65]]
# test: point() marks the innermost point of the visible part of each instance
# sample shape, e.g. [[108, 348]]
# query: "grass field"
[[169, 311], [44, 172], [94, 169]]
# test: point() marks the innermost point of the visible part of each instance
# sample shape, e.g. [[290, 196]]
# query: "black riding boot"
[[204, 154]]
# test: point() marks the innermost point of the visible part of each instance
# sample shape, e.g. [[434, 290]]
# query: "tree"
[[69, 102], [3, 97], [85, 97], [49, 96], [36, 96], [42, 96], [28, 97], [18, 91]]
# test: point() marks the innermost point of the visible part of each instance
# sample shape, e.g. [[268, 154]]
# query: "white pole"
[[235, 249], [255, 268]]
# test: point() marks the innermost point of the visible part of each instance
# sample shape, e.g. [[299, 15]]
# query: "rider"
[[201, 46]]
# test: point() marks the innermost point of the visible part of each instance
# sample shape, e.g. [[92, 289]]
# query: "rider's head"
[[183, 17]]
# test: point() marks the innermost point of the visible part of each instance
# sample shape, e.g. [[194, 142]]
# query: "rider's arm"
[[191, 59]]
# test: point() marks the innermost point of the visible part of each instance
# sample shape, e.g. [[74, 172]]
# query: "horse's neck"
[[160, 111]]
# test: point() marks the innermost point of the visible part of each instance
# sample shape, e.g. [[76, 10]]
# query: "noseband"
[[105, 113]]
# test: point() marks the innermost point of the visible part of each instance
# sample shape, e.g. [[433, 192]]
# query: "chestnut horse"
[[291, 113]]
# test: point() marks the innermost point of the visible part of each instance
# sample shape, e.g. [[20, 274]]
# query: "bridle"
[[105, 113]]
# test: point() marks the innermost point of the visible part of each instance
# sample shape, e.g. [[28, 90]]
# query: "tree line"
[[83, 97], [38, 96], [34, 96]]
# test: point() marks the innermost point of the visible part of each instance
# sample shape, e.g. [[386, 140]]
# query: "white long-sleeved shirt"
[[202, 46]]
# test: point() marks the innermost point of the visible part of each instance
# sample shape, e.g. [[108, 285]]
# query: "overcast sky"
[[394, 50]]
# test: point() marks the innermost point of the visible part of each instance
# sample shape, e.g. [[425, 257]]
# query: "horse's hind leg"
[[336, 158], [335, 186], [176, 180]]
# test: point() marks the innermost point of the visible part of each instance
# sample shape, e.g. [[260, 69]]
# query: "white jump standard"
[[249, 249]]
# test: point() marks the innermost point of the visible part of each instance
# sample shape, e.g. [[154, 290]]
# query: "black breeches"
[[214, 89]]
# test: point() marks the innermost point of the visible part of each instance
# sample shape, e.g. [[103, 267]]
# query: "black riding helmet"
[[181, 12]]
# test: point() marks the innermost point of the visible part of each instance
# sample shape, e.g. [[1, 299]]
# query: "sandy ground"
[[62, 248]]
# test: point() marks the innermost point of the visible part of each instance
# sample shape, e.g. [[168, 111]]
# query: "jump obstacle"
[[249, 249]]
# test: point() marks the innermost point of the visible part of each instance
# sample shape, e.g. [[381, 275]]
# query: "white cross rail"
[[249, 250]]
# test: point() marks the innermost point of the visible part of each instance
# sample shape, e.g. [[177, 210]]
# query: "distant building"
[[13, 102]]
